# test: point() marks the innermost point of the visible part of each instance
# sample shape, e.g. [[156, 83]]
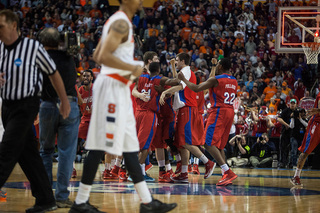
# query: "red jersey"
[[186, 97], [317, 116], [224, 94], [262, 126], [146, 84], [276, 130], [200, 101], [133, 99], [166, 110], [87, 102]]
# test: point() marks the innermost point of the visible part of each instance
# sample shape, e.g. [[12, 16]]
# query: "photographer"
[[298, 124], [52, 124], [241, 151], [261, 152]]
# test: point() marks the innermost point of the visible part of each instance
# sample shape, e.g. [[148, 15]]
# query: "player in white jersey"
[[112, 128]]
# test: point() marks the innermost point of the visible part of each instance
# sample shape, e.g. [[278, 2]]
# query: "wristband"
[[214, 65]]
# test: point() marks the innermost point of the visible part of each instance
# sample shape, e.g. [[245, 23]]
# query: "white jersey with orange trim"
[[125, 51]]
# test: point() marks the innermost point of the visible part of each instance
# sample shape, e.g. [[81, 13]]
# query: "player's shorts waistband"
[[118, 77]]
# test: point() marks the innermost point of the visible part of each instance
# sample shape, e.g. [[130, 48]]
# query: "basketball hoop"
[[311, 50]]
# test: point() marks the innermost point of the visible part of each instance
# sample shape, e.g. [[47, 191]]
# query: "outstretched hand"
[[214, 61], [163, 98], [313, 111], [172, 61]]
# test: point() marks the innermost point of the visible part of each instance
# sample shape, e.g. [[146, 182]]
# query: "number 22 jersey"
[[224, 94]]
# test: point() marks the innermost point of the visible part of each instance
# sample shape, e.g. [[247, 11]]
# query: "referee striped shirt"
[[24, 63]]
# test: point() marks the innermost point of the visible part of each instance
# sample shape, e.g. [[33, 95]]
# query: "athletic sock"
[[224, 168], [143, 192], [161, 163], [204, 159], [196, 160], [83, 193], [113, 162], [298, 172], [168, 167], [143, 169], [118, 162], [107, 166], [184, 168]]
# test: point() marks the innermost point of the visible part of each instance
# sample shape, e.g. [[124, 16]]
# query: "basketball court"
[[255, 190]]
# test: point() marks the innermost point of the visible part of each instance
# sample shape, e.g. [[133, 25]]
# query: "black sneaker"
[[42, 208], [156, 206], [64, 203], [84, 207]]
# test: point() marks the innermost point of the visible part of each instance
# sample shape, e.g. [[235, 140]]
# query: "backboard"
[[296, 25]]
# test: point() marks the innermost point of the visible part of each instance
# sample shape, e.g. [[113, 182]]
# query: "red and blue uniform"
[[189, 124], [312, 136], [222, 113], [165, 129], [86, 111], [146, 115]]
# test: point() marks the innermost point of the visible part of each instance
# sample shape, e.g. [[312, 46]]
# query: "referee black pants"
[[18, 146]]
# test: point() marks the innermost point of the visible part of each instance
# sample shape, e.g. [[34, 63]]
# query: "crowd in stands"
[[241, 31]]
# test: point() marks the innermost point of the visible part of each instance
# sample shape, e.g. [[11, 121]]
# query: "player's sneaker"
[[164, 177], [189, 168], [123, 174], [147, 178], [115, 170], [178, 169], [74, 173], [3, 195], [106, 174], [156, 206], [182, 178], [195, 169], [148, 167], [84, 208], [227, 178], [295, 181], [209, 169], [172, 174]]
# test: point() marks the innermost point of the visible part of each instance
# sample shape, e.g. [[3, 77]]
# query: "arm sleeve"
[[304, 123], [45, 62]]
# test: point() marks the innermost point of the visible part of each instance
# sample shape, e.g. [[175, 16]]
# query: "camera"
[[260, 138], [71, 42], [238, 139], [297, 112]]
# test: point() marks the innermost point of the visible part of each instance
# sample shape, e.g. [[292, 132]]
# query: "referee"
[[21, 60]]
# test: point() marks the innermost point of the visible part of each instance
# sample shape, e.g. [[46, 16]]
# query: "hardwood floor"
[[255, 190]]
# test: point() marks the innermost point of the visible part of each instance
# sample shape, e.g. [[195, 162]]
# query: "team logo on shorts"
[[18, 62]]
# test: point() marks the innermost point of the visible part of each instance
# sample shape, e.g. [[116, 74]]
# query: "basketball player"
[[222, 92], [189, 127], [310, 141], [112, 128]]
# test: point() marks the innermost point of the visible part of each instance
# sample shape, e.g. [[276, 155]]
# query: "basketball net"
[[311, 50]]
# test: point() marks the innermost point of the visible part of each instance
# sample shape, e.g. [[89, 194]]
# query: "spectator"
[[261, 152], [298, 124], [269, 91], [299, 89], [277, 78], [284, 144]]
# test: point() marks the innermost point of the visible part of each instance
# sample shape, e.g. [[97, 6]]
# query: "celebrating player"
[[222, 92]]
